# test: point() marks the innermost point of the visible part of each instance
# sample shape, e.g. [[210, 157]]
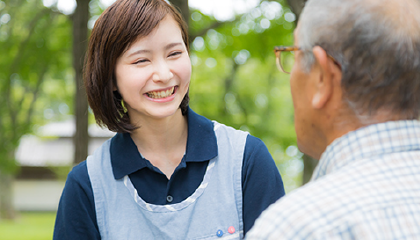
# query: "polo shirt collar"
[[201, 146]]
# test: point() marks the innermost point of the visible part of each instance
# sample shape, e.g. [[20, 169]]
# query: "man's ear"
[[324, 83]]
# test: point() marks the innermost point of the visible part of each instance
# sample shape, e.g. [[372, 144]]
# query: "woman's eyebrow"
[[171, 45], [139, 52]]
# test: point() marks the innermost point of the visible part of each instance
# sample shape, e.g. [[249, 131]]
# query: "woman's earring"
[[123, 106]]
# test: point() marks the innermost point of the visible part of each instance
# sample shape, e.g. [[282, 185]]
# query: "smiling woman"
[[163, 57], [154, 46], [168, 170]]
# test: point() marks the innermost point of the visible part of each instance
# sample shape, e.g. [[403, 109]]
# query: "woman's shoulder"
[[78, 177], [254, 142]]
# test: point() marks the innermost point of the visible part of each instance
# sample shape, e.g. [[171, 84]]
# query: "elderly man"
[[356, 91]]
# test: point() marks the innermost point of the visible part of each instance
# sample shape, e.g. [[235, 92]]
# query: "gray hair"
[[376, 42]]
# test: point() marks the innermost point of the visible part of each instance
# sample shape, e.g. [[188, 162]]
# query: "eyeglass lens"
[[286, 60]]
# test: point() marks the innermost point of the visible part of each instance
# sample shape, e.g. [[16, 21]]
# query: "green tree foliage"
[[35, 43], [35, 57], [235, 80]]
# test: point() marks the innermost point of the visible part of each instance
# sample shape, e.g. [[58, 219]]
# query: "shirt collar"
[[201, 146], [368, 142]]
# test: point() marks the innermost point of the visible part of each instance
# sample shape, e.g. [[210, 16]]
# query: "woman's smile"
[[162, 93]]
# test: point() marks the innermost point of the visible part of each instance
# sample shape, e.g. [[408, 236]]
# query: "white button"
[[169, 198]]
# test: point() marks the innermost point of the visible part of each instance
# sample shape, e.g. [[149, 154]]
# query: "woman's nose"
[[162, 72]]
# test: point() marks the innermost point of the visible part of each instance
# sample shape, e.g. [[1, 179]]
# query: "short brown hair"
[[116, 29]]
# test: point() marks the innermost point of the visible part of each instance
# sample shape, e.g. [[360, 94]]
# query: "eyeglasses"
[[284, 58]]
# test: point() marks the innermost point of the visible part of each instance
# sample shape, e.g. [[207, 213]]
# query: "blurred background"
[[46, 126]]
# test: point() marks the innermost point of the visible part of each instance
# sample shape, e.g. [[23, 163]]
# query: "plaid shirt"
[[366, 186]]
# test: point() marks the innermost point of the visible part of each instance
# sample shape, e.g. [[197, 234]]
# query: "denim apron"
[[213, 211]]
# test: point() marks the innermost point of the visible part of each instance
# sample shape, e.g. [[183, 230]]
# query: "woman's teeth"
[[161, 94]]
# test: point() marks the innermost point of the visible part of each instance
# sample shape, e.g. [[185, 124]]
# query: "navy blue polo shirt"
[[76, 216]]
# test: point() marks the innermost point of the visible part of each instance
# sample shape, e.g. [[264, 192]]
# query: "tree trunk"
[[80, 37], [7, 209], [6, 200], [182, 6], [296, 6]]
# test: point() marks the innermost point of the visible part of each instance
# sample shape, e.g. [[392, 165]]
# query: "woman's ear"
[[114, 83], [115, 87]]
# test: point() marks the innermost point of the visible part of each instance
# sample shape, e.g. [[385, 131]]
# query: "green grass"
[[28, 226]]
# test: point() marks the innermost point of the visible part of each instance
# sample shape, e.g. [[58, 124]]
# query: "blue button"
[[219, 233]]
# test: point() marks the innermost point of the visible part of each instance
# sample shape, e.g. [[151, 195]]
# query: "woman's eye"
[[141, 61], [174, 54]]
